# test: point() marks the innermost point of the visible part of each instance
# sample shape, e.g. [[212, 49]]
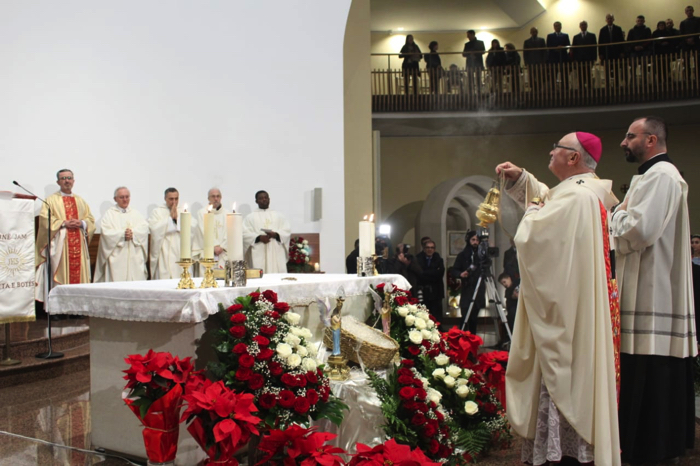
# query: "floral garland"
[[262, 351]]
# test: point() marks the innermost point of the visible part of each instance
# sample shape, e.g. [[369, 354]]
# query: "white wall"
[[152, 94]]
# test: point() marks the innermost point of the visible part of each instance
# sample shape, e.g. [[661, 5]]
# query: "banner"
[[17, 280]]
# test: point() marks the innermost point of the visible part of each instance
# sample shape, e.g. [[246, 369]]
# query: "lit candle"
[[185, 235], [234, 235], [209, 234], [317, 268], [367, 236]]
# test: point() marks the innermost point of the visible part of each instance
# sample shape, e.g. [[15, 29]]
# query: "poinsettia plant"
[[298, 445], [263, 351], [390, 452]]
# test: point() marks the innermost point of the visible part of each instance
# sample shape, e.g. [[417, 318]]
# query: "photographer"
[[405, 264], [467, 268]]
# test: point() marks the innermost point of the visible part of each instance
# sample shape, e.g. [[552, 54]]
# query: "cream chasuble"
[[219, 237], [562, 333], [70, 258], [119, 260], [271, 257], [165, 244]]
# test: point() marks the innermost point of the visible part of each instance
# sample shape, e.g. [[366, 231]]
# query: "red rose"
[[237, 331], [426, 344], [445, 451], [414, 350], [440, 416], [406, 380], [272, 314], [270, 296], [254, 297], [429, 430], [268, 329], [267, 401], [405, 372], [433, 446], [434, 352], [312, 396], [246, 360], [234, 308], [422, 407], [243, 373], [407, 393], [275, 368], [380, 287], [256, 381], [401, 300], [325, 392], [238, 318], [281, 307], [407, 363], [265, 354], [418, 419], [301, 380], [311, 378], [413, 301], [490, 408], [240, 348], [301, 405], [286, 398], [261, 340], [289, 380], [421, 393]]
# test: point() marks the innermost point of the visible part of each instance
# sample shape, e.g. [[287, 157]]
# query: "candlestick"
[[317, 267], [208, 281], [234, 236], [185, 235], [186, 282], [209, 234]]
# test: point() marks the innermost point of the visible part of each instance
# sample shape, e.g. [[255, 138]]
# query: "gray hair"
[[120, 187], [212, 189], [586, 158]]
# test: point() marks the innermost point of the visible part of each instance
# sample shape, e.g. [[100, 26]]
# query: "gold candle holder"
[[209, 281], [337, 368], [186, 282]]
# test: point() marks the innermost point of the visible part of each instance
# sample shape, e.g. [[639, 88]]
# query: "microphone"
[[25, 189]]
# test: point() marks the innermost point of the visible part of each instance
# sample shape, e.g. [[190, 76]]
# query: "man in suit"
[[584, 56], [610, 33], [639, 33], [475, 60], [557, 41], [534, 59], [430, 280]]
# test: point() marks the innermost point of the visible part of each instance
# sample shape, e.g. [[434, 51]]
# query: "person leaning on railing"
[[665, 46], [434, 66], [411, 55]]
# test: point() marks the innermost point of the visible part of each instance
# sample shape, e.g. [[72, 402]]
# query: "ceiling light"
[[399, 29]]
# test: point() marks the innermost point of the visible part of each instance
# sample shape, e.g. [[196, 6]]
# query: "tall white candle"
[[234, 236], [366, 238], [209, 235], [185, 235]]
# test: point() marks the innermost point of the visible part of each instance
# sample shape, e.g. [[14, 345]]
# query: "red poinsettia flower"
[[389, 452], [315, 451]]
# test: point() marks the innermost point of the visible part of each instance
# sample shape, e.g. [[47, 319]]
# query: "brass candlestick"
[[209, 281], [186, 282]]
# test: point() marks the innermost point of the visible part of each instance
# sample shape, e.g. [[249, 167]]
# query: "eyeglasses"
[[557, 146], [63, 178], [630, 136]]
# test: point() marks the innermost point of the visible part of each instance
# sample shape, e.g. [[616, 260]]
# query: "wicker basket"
[[373, 357]]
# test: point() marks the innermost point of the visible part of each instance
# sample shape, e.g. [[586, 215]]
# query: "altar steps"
[[27, 339]]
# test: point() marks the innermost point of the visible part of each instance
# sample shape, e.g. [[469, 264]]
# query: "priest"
[[561, 377], [164, 225], [214, 197], [72, 226], [123, 242], [266, 237]]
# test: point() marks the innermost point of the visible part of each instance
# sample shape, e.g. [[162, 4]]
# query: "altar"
[[133, 317]]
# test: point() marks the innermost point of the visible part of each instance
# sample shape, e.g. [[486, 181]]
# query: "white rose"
[[435, 337], [305, 242], [442, 359], [462, 391], [434, 395], [450, 381], [403, 311], [439, 373], [410, 320], [292, 339], [471, 408], [306, 259], [302, 351], [425, 382], [454, 371], [415, 336], [430, 323], [412, 308], [292, 317], [461, 382], [299, 245], [312, 350], [284, 350], [468, 373], [423, 315], [296, 331], [426, 334], [294, 360], [306, 333], [309, 364], [420, 324]]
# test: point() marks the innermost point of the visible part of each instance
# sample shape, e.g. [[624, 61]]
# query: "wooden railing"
[[550, 85]]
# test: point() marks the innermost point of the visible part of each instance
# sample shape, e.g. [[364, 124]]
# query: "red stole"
[[613, 297], [74, 240]]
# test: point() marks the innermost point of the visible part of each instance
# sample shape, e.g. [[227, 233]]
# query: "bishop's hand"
[[509, 171]]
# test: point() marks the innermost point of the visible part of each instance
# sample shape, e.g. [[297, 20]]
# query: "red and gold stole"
[[613, 297], [74, 240]]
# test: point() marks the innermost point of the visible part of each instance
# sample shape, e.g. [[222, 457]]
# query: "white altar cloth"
[[161, 301]]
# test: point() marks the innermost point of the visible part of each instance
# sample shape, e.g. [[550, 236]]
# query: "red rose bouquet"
[[297, 445], [220, 420], [155, 384], [299, 255], [262, 351]]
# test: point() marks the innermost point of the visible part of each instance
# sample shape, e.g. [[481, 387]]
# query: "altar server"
[[123, 242], [561, 376], [266, 236], [72, 226], [214, 198], [164, 224]]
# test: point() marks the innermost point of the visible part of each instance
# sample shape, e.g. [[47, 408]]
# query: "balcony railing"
[[550, 85]]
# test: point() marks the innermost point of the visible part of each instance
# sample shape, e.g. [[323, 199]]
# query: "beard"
[[630, 156]]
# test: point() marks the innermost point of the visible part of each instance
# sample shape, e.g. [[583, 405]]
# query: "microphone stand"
[[50, 354]]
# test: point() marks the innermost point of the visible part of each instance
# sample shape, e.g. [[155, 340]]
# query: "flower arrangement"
[[389, 452], [262, 351], [220, 420], [299, 256], [493, 365], [155, 383], [298, 445]]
